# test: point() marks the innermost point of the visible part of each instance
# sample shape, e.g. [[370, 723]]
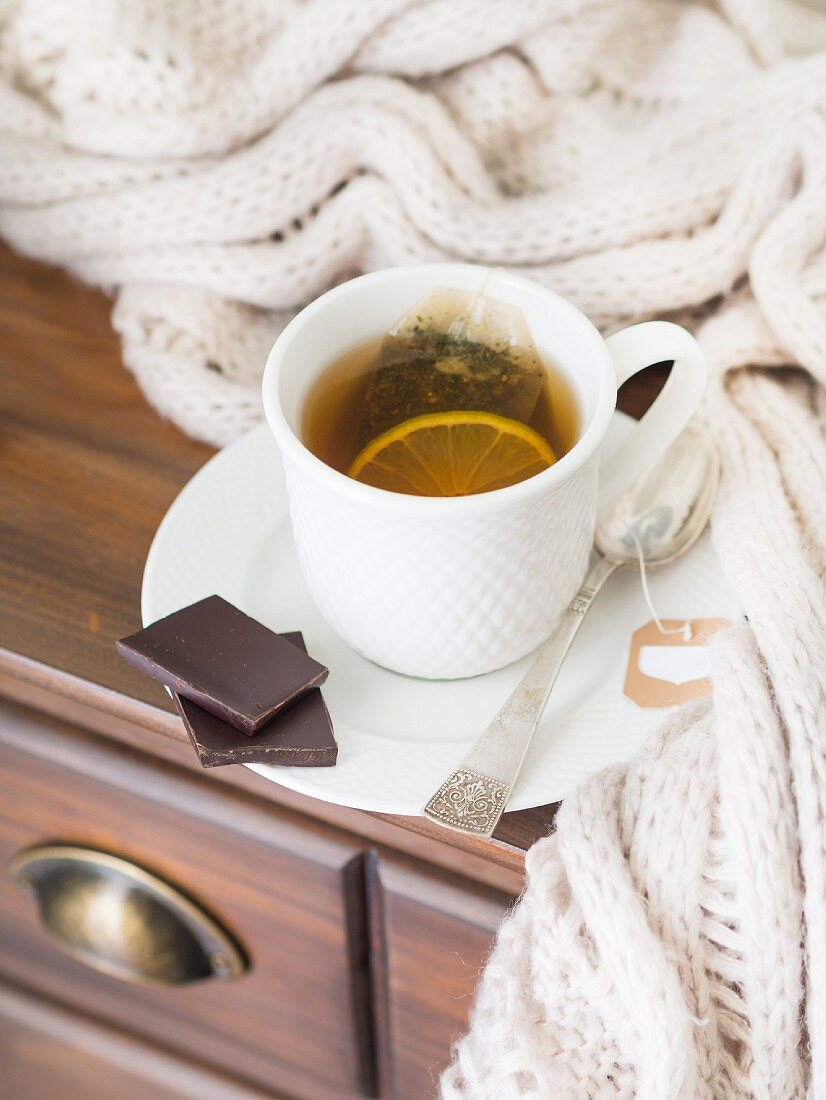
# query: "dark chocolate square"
[[226, 662], [299, 737]]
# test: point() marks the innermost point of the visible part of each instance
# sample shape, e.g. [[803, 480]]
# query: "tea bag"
[[454, 350]]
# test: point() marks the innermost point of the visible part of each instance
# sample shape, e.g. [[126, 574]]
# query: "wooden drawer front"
[[45, 1051], [431, 937], [289, 891]]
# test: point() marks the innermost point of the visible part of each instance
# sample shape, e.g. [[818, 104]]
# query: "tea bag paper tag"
[[665, 670]]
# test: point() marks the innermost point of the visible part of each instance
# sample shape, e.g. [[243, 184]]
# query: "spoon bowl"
[[666, 510]]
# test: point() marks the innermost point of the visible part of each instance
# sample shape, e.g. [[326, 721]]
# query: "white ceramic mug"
[[451, 587]]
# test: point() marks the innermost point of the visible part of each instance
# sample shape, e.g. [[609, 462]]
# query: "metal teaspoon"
[[667, 510]]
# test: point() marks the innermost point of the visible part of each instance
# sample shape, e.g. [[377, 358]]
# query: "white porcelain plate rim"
[[228, 532]]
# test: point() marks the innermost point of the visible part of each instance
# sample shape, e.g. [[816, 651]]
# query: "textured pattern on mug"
[[449, 598]]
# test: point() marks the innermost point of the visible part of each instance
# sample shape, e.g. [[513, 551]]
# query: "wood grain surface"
[[290, 891], [431, 937], [87, 471], [47, 1051]]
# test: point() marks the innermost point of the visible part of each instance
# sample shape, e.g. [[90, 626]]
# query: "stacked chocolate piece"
[[246, 694]]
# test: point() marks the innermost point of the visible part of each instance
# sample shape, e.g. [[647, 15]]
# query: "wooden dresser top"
[[87, 470]]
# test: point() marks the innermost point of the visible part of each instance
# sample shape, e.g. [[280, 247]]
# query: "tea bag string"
[[685, 629], [459, 326]]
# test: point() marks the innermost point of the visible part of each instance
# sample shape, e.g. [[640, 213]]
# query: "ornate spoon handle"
[[474, 797]]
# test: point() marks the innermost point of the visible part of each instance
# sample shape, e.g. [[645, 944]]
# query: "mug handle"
[[633, 349]]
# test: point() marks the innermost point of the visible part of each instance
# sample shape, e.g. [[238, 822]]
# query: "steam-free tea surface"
[[452, 454], [377, 386]]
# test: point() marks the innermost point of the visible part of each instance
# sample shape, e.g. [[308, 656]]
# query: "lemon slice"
[[452, 454]]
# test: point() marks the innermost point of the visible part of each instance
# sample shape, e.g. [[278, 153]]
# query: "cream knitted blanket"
[[217, 163]]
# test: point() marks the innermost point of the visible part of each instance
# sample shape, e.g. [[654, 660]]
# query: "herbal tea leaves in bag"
[[454, 350]]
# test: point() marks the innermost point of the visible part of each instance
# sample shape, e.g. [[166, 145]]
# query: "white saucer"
[[228, 533]]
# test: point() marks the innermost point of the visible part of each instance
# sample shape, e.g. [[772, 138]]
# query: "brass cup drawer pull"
[[122, 919]]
